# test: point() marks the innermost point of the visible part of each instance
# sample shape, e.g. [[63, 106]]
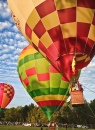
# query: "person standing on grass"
[[41, 127]]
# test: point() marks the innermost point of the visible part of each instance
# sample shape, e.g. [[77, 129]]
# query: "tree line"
[[72, 115]]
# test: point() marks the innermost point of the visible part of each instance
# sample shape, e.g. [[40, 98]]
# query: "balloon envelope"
[[48, 88], [62, 30], [6, 94]]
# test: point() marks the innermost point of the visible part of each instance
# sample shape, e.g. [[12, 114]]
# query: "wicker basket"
[[77, 97]]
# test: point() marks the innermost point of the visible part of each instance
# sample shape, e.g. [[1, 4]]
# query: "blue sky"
[[11, 44]]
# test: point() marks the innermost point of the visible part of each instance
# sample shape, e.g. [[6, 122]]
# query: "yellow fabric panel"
[[27, 52], [50, 97], [40, 67], [92, 32], [24, 8], [46, 40], [27, 65], [28, 39], [35, 39], [84, 15], [69, 30], [87, 59], [44, 54], [61, 4], [18, 16], [37, 2], [51, 20], [81, 58], [34, 15]]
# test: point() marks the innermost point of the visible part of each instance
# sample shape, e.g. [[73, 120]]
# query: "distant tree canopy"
[[78, 115]]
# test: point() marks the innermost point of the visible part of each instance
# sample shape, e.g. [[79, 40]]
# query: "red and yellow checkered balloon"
[[63, 31], [6, 94]]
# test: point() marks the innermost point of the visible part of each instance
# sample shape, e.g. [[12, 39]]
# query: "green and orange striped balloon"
[[48, 88]]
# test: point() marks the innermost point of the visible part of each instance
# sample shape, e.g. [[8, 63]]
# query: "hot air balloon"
[[47, 87], [63, 31], [6, 94]]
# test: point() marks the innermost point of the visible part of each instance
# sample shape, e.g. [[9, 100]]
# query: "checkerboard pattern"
[[63, 27], [6, 94], [48, 88], [58, 28]]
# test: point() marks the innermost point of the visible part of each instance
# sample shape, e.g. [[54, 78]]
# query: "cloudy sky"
[[11, 44]]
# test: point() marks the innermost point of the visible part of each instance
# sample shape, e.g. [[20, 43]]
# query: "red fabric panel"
[[83, 29], [51, 57], [92, 52], [28, 31], [42, 47], [61, 47], [51, 103], [46, 8], [89, 46], [64, 64], [53, 69], [1, 93], [26, 81], [70, 44], [30, 72], [64, 15], [93, 22], [54, 51], [39, 29], [80, 46], [64, 78], [86, 3], [43, 77], [55, 33]]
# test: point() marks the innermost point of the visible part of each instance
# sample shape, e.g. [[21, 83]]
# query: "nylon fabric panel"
[[66, 28]]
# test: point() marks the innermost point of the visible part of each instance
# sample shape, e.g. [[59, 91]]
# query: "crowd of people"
[[53, 126]]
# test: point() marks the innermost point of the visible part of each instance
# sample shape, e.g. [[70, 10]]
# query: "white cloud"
[[5, 24], [4, 9], [5, 56]]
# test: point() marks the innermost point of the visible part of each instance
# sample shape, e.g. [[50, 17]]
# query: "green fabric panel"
[[49, 111], [68, 93], [55, 80], [22, 74], [42, 66], [64, 84], [50, 108], [35, 84], [47, 91], [26, 59], [40, 92], [62, 91], [37, 55], [28, 65]]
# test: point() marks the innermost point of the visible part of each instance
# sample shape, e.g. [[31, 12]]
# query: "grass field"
[[2, 127]]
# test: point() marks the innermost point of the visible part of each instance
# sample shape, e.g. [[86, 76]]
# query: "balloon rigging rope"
[[90, 109], [89, 89], [72, 109]]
